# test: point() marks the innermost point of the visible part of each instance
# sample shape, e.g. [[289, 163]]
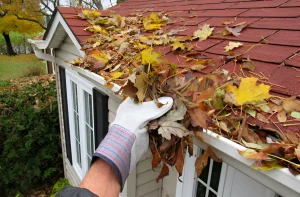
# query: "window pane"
[[201, 190], [86, 106], [211, 194], [215, 175], [204, 174], [91, 111], [89, 144], [78, 153]]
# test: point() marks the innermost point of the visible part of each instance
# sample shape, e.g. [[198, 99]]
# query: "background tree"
[[19, 16]]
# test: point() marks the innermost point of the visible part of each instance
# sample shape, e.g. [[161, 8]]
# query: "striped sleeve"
[[115, 149]]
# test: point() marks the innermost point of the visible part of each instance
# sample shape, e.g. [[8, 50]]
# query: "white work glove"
[[127, 139]]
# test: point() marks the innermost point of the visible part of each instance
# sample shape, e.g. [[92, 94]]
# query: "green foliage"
[[59, 185], [29, 135]]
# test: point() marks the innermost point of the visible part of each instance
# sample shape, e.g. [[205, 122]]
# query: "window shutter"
[[63, 87], [100, 101]]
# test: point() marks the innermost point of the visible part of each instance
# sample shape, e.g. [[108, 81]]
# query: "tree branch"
[[32, 20]]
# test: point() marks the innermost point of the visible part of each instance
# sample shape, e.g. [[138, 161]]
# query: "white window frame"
[[189, 180], [82, 85]]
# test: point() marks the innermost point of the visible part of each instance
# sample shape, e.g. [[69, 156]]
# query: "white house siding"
[[169, 183]]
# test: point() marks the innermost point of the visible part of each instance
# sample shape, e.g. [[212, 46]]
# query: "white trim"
[[279, 180], [57, 21], [82, 86]]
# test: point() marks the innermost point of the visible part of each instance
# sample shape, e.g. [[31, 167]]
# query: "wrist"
[[115, 149]]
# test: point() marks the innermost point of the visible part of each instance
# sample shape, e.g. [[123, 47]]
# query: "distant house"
[[86, 106]]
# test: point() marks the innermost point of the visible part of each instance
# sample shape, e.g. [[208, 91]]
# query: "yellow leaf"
[[149, 26], [178, 45], [91, 14], [248, 91], [232, 45], [100, 56], [150, 57], [155, 18], [96, 29], [203, 33], [116, 75], [153, 22]]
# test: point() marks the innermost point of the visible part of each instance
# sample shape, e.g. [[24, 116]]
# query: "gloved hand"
[[127, 139]]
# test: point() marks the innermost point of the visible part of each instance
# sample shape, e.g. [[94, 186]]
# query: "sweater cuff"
[[115, 149]]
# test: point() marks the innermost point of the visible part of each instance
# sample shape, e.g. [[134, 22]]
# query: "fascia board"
[[279, 180]]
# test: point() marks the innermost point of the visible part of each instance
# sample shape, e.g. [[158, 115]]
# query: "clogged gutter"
[[123, 51]]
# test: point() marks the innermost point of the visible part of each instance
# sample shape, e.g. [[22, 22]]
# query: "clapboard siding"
[[154, 193], [147, 188], [147, 176], [71, 174], [169, 184], [70, 48]]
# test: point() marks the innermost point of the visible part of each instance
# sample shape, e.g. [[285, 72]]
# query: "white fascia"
[[279, 180]]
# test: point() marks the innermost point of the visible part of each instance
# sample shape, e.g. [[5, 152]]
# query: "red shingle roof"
[[276, 23]]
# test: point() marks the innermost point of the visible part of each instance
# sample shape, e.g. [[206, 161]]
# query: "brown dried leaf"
[[262, 118], [164, 172], [281, 116], [199, 117], [201, 162], [291, 104], [156, 160], [180, 159]]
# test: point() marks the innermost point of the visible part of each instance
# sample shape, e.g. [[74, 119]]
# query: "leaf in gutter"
[[232, 45], [199, 117], [271, 148], [164, 172], [224, 126], [254, 145], [297, 152], [203, 33], [167, 128], [175, 115], [201, 162], [266, 165], [141, 85], [252, 154], [130, 90], [116, 75], [199, 136], [100, 56], [156, 160], [281, 116], [295, 114]]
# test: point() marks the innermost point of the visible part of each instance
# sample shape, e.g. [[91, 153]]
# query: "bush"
[[33, 70], [29, 135]]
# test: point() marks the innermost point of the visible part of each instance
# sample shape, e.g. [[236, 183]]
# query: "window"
[[209, 184], [82, 134], [209, 180]]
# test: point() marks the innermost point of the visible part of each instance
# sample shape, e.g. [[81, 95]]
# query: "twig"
[[295, 124], [281, 134], [284, 160]]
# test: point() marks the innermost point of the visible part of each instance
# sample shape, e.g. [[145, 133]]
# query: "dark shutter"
[[100, 115], [63, 87]]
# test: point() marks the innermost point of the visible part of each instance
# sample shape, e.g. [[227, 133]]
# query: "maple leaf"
[[265, 165], [90, 14], [232, 45], [235, 30], [169, 127], [178, 45], [96, 29], [129, 89], [152, 22], [248, 92], [175, 115], [150, 57], [100, 56], [203, 33]]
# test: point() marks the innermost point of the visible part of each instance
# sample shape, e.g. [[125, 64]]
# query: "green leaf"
[[295, 114], [251, 112]]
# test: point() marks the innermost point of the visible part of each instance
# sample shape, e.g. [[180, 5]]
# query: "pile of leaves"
[[123, 50], [30, 150]]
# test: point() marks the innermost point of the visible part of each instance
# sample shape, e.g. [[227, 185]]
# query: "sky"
[[105, 3]]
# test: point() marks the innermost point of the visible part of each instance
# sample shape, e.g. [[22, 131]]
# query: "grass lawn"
[[12, 67]]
